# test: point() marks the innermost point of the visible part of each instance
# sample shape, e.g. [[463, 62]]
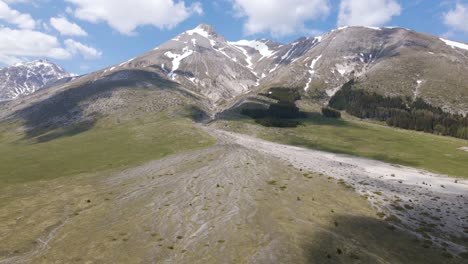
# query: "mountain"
[[204, 62], [389, 61], [25, 78], [202, 71]]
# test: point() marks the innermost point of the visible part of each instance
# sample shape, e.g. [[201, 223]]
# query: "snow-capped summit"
[[203, 30], [27, 77]]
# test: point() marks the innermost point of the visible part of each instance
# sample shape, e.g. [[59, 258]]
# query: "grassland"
[[108, 145], [350, 136], [222, 204]]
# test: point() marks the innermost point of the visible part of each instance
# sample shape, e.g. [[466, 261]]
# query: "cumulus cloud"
[[16, 44], [75, 47], [457, 18], [66, 27], [22, 44], [367, 13], [279, 17], [125, 16], [14, 17]]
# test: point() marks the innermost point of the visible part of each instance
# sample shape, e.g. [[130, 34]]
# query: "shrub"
[[330, 112]]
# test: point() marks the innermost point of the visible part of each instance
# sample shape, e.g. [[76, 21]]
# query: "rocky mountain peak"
[[206, 31], [27, 77], [207, 28]]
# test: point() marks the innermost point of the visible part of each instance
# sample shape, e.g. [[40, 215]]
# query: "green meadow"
[[107, 145], [360, 138]]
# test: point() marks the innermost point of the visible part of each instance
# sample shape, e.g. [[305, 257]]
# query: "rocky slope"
[[25, 78], [389, 61]]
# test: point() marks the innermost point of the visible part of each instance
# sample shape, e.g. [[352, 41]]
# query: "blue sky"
[[87, 35]]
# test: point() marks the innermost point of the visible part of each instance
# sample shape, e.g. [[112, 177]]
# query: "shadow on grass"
[[315, 118], [63, 113], [351, 239], [68, 131]]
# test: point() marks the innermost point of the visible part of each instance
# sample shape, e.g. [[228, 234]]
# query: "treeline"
[[399, 112]]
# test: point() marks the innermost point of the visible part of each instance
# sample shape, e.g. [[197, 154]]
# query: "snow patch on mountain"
[[416, 91], [200, 30], [454, 44], [176, 59], [312, 72], [344, 69], [374, 28], [248, 58], [261, 47]]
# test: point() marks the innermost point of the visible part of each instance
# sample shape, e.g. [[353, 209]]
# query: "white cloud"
[[87, 52], [14, 17], [125, 16], [16, 44], [279, 17], [457, 18], [66, 27], [367, 13], [23, 44]]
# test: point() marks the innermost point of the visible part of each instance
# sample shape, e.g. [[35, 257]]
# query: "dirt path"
[[428, 204]]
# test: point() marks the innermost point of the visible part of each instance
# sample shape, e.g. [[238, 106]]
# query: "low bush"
[[330, 112]]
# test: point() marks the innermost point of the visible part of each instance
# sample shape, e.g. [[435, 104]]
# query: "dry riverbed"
[[433, 207]]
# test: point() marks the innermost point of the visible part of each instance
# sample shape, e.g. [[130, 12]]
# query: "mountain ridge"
[[26, 78], [221, 73], [271, 63]]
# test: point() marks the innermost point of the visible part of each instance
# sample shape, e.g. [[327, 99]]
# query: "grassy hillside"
[[107, 145], [410, 148]]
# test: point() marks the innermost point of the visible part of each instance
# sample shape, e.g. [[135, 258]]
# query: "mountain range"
[[217, 74]]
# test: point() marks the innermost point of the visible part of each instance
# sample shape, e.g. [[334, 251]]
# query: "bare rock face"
[[26, 78]]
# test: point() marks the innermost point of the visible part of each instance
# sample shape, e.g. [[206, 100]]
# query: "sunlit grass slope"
[[107, 145], [359, 138]]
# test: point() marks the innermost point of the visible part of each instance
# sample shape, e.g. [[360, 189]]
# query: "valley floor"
[[433, 206], [243, 200]]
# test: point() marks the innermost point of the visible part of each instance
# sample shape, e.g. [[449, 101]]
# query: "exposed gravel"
[[428, 204]]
